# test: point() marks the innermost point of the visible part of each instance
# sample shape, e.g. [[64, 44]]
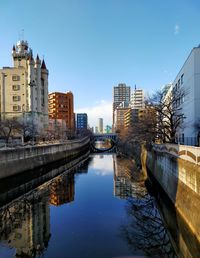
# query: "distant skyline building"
[[24, 88], [108, 129], [137, 98], [61, 106], [100, 125], [92, 129], [121, 93], [81, 121], [96, 129]]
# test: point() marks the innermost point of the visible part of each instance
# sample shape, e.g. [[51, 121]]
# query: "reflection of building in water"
[[84, 167], [62, 190], [25, 226], [99, 156], [124, 184]]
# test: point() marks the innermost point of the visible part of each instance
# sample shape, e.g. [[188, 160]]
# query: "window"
[[16, 108], [178, 83], [182, 78], [16, 87], [16, 78], [178, 102], [16, 98]]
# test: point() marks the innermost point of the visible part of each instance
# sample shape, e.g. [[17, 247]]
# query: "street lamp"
[[23, 124], [32, 84]]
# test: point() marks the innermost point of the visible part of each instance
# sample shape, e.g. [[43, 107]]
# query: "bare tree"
[[197, 129], [8, 128], [141, 131], [84, 132], [145, 230], [26, 130], [144, 129], [170, 117]]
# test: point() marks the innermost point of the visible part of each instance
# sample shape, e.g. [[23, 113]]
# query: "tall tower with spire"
[[24, 88]]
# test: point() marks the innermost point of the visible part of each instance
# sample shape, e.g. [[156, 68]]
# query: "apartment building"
[[130, 117], [120, 118], [121, 93], [61, 106], [81, 121]]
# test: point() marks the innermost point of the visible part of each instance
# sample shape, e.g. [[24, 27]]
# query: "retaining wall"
[[14, 161], [180, 179]]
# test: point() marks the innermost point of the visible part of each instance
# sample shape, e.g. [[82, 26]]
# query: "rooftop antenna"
[[21, 35], [135, 86]]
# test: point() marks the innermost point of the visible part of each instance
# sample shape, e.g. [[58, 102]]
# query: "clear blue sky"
[[91, 45]]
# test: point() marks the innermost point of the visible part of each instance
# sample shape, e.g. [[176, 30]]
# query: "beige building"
[[24, 88], [120, 119], [130, 117]]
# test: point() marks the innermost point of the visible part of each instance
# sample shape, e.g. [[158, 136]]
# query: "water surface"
[[102, 209]]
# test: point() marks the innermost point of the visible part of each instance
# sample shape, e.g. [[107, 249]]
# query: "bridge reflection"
[[103, 143]]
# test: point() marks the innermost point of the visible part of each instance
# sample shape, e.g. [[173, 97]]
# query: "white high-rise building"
[[24, 88], [137, 98]]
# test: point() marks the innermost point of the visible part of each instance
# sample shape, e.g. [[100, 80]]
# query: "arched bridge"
[[102, 137]]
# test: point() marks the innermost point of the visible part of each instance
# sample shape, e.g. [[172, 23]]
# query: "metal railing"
[[192, 141]]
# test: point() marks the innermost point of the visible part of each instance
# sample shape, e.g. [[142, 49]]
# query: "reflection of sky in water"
[[102, 165]]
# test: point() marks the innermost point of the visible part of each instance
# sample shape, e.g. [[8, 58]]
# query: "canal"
[[100, 209]]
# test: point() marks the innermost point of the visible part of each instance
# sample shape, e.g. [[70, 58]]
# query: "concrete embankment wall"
[[15, 161], [180, 179], [14, 187]]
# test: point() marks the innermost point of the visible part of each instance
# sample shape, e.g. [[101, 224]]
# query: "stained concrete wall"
[[180, 179], [15, 161]]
